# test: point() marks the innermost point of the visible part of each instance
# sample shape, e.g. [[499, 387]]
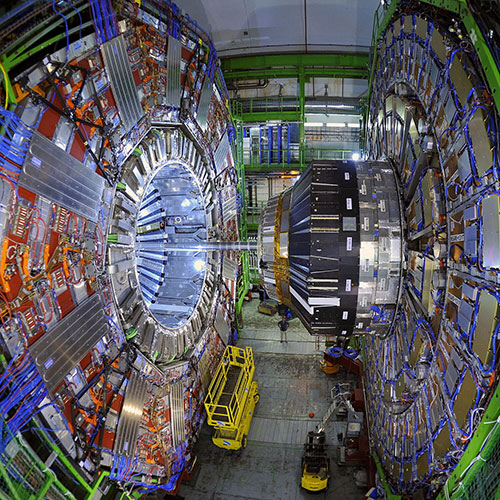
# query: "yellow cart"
[[231, 398]]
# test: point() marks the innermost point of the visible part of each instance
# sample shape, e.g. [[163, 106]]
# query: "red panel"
[[137, 77], [108, 439], [117, 403], [65, 302], [48, 123], [85, 361], [77, 148]]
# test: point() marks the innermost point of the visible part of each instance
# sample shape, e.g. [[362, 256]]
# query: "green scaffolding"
[[24, 477]]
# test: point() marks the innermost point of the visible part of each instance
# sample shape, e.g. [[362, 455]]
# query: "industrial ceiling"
[[257, 26]]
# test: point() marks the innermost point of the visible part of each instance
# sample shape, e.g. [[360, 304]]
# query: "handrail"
[[233, 410]]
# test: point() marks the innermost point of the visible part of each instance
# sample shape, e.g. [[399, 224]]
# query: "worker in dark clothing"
[[283, 324]]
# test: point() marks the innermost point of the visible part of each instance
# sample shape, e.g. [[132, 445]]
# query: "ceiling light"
[[336, 124], [356, 156], [353, 125], [313, 124]]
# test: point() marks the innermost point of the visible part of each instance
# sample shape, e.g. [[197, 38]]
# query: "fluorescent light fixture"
[[313, 124], [353, 125], [336, 124], [356, 156], [198, 265], [329, 106]]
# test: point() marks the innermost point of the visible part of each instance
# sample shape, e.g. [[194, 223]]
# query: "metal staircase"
[[340, 394]]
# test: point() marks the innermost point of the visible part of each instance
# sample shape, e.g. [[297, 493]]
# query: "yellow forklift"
[[231, 398], [315, 462]]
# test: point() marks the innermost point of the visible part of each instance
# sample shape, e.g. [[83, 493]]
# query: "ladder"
[[339, 396]]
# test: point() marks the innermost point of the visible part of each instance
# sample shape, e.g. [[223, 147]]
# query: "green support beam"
[[263, 116], [243, 287], [62, 457], [385, 484], [469, 464], [11, 96], [270, 168], [302, 111], [45, 487], [488, 64], [102, 476], [269, 73], [10, 485], [293, 65]]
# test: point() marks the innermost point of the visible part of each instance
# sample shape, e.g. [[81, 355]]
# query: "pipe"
[[204, 246]]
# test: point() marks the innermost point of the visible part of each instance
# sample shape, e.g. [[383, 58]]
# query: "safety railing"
[[227, 393], [277, 104], [24, 477], [290, 159]]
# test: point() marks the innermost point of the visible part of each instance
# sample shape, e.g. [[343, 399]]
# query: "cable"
[[6, 83], [66, 26]]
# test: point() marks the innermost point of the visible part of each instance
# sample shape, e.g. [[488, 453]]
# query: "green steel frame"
[[243, 284], [296, 66], [17, 491], [385, 484], [478, 452], [303, 67]]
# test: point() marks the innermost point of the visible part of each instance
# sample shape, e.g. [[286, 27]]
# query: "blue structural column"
[[288, 143], [280, 141], [260, 144], [270, 144]]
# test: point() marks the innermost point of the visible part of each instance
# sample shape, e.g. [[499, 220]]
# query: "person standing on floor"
[[283, 324]]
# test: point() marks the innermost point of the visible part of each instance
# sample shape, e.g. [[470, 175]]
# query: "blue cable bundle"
[[337, 352], [102, 26], [122, 468], [21, 391], [13, 146]]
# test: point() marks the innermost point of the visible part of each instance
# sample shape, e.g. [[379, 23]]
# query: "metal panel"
[[223, 149], [491, 232], [131, 415], [206, 96], [486, 324], [120, 75], [221, 325], [56, 175], [173, 72], [177, 408], [63, 347], [230, 269]]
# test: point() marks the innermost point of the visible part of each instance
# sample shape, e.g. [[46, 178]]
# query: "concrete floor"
[[291, 386]]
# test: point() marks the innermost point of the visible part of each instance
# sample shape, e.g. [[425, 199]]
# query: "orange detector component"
[[26, 272], [46, 262], [3, 265]]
